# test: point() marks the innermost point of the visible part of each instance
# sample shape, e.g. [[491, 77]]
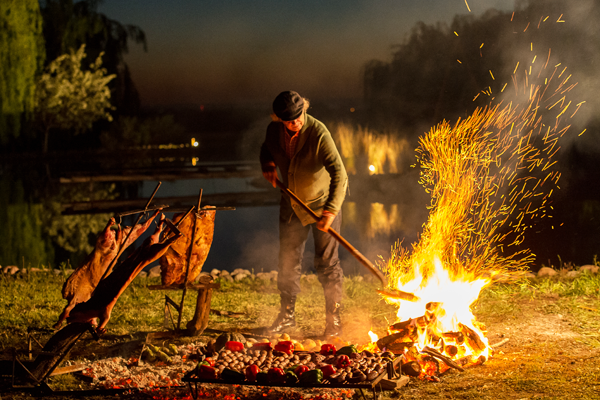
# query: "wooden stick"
[[399, 295], [189, 259], [500, 343], [336, 235], [122, 247]]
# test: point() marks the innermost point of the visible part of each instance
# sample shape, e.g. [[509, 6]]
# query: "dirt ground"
[[545, 358]]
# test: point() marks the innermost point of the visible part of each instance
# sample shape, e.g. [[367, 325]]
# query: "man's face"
[[295, 125]]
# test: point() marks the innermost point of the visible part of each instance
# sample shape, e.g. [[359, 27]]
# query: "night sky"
[[244, 52]]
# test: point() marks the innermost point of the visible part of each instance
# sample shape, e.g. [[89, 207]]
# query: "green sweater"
[[316, 173]]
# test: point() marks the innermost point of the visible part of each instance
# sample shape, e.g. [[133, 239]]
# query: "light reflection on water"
[[248, 236]]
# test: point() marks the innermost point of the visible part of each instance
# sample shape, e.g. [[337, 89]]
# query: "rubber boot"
[[286, 317], [333, 319]]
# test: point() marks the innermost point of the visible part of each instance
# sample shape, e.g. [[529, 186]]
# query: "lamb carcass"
[[107, 293], [82, 282]]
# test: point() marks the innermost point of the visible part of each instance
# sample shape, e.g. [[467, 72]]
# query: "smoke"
[[562, 35]]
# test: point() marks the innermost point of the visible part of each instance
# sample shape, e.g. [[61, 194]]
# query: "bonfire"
[[491, 177]]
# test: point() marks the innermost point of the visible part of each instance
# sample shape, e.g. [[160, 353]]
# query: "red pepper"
[[251, 372], [276, 375], [206, 372], [285, 346], [234, 346], [262, 346], [327, 370], [209, 361], [343, 361], [328, 349], [300, 369]]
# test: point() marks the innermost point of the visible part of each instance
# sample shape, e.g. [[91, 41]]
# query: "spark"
[[526, 27], [517, 66], [492, 75], [559, 18], [455, 33], [458, 61], [469, 8]]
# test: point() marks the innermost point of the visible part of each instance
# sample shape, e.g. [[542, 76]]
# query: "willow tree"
[[22, 56]]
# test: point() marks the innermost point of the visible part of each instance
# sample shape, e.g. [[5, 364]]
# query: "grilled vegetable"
[[347, 350], [251, 372], [327, 349], [312, 377]]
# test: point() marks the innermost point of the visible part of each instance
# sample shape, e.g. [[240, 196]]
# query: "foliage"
[[21, 59], [69, 24], [68, 97], [21, 237]]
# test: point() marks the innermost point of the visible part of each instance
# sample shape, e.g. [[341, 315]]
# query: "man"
[[311, 167]]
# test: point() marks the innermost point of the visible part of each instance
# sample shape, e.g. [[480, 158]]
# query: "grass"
[[553, 325]]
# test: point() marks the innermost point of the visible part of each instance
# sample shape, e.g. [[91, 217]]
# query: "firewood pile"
[[428, 352]]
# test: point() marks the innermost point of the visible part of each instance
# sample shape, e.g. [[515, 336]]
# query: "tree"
[[69, 24], [21, 60], [68, 97]]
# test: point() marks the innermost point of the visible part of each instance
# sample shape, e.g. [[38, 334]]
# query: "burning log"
[[173, 264], [448, 361], [451, 350], [83, 281], [472, 338], [395, 340], [458, 337], [411, 368], [109, 289]]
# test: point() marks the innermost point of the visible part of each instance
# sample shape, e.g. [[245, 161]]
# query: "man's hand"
[[269, 171], [325, 222]]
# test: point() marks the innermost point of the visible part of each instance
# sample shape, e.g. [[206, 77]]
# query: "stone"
[[239, 276], [359, 278], [228, 278], [154, 272], [215, 272], [530, 275], [264, 276], [589, 269], [546, 271], [142, 274], [224, 273], [573, 274], [24, 271], [237, 271], [57, 271]]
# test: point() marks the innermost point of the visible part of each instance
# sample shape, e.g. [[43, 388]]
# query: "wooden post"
[[199, 322]]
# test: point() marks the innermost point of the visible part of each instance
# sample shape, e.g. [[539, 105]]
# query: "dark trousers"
[[292, 242]]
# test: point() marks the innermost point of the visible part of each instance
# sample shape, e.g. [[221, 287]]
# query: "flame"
[[373, 336]]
